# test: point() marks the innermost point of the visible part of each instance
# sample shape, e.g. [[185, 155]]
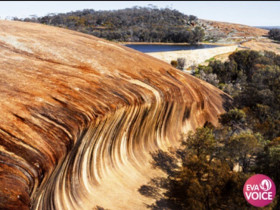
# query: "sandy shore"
[[193, 57]]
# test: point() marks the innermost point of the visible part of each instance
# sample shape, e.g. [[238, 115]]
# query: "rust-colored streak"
[[79, 116]]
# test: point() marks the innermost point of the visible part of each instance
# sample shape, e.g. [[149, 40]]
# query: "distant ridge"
[[144, 24], [267, 27]]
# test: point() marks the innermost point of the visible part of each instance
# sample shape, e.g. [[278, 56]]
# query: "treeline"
[[274, 34], [137, 24], [212, 165], [253, 79]]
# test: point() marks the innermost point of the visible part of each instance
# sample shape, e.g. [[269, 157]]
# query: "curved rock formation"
[[79, 116]]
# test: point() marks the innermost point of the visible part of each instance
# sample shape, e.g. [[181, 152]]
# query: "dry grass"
[[236, 30], [264, 44]]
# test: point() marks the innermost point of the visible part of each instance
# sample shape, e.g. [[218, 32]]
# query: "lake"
[[148, 48]]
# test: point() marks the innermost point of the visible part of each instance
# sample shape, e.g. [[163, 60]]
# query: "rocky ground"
[[230, 32], [262, 44], [247, 38], [259, 44], [80, 117]]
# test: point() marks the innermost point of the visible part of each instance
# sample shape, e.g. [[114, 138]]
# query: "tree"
[[253, 79], [210, 78], [274, 34], [234, 118], [250, 132], [246, 60], [268, 163], [248, 147], [144, 24], [198, 34], [198, 176]]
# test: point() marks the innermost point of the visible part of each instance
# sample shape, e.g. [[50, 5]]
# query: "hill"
[[137, 24], [267, 27], [230, 31], [80, 116], [148, 24], [233, 29]]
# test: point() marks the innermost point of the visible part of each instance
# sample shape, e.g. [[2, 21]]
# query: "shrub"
[[174, 63], [181, 63], [274, 34]]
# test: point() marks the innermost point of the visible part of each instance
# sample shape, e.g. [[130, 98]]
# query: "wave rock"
[[80, 116]]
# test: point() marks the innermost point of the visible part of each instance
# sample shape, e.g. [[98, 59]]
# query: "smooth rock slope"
[[79, 116]]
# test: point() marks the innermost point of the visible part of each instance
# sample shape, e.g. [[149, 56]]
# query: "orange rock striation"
[[79, 113]]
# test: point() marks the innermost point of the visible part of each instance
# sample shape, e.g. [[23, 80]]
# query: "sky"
[[252, 13]]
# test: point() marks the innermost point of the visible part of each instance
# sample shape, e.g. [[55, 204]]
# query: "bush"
[[210, 78], [181, 63], [274, 34], [174, 63]]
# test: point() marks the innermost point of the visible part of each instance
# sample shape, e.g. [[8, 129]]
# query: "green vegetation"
[[210, 168], [137, 24], [174, 63], [274, 34], [179, 63], [210, 59], [200, 174]]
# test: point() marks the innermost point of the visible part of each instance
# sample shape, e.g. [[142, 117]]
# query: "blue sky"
[[254, 13]]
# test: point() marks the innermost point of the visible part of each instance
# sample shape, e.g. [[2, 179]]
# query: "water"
[[147, 48]]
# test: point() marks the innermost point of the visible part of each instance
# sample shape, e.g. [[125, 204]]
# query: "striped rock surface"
[[79, 116]]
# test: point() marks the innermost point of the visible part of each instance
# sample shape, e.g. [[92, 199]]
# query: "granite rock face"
[[79, 116]]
